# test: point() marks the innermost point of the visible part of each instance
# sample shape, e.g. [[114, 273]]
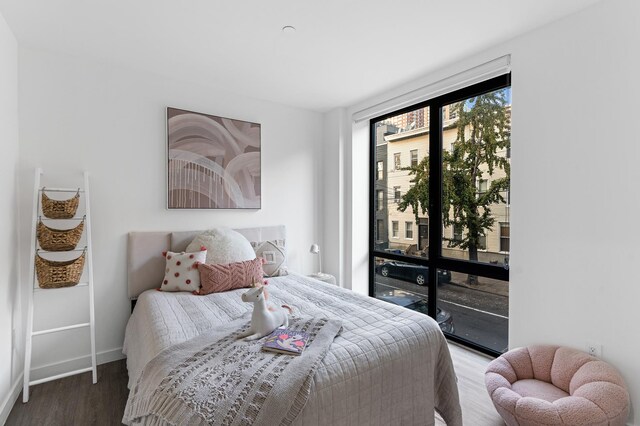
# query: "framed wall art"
[[213, 162]]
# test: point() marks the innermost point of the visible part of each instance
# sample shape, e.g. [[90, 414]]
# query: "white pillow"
[[181, 273], [224, 245], [274, 259]]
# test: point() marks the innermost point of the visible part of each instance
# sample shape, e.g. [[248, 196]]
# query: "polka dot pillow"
[[181, 273]]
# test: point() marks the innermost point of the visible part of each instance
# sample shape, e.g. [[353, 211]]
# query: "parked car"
[[418, 304], [410, 272]]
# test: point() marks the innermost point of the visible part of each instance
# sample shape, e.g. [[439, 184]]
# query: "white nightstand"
[[327, 278]]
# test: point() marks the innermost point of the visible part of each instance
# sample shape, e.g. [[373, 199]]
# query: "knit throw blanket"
[[216, 379]]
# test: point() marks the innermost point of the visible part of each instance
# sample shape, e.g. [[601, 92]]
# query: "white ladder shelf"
[[89, 282]]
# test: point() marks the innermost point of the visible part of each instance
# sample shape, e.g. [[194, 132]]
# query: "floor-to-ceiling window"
[[444, 203]]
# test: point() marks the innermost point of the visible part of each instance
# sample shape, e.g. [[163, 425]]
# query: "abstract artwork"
[[214, 162]]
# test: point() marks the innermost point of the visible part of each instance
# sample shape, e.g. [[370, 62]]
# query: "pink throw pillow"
[[181, 273], [230, 276]]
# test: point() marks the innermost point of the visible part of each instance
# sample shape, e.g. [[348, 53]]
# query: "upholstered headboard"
[[145, 264]]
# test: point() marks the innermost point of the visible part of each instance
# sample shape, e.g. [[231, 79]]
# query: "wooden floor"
[[477, 408], [75, 401]]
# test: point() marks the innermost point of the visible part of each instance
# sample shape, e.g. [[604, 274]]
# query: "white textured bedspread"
[[389, 365]]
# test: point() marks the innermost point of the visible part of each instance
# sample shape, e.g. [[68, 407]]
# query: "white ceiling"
[[342, 52]]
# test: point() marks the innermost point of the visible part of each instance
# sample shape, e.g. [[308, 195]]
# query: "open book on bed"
[[286, 341]]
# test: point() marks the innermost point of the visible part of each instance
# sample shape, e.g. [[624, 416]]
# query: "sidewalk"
[[488, 285]]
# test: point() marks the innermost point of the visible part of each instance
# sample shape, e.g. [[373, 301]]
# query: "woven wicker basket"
[[59, 209], [59, 239], [55, 274]]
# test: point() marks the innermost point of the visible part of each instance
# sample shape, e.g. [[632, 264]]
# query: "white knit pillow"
[[224, 245], [273, 255]]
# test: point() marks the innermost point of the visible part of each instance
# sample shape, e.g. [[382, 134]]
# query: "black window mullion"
[[435, 204], [495, 83], [372, 207], [472, 268]]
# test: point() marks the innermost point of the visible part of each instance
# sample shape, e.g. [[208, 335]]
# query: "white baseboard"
[[52, 369], [10, 400]]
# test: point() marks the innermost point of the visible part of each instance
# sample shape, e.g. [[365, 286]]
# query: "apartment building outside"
[[407, 148], [381, 230]]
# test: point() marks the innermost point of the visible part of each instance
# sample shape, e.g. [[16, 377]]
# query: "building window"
[[504, 236], [482, 186], [453, 111], [379, 229], [482, 242], [397, 164], [394, 229], [408, 230], [380, 200], [396, 194], [414, 158], [380, 172], [457, 232]]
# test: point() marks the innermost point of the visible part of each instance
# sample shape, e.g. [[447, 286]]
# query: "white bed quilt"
[[388, 366]]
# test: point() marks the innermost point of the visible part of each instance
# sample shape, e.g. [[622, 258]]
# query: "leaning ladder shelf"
[[87, 282]]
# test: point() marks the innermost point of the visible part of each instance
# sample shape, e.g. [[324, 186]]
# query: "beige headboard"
[[145, 263]]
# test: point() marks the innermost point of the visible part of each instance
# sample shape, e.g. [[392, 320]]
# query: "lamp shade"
[[315, 249]]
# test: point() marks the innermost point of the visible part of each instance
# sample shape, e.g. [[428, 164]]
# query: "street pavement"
[[484, 284]]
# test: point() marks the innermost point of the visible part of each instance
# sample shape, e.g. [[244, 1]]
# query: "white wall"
[[575, 196], [331, 189], [10, 358], [358, 152], [78, 114], [575, 177]]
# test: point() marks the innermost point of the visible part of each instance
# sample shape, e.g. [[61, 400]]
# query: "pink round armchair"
[[554, 385]]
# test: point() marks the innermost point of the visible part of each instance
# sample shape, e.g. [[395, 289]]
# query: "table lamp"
[[315, 249]]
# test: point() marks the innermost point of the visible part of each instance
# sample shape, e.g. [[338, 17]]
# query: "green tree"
[[483, 136]]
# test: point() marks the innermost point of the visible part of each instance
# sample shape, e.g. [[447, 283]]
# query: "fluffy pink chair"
[[553, 385]]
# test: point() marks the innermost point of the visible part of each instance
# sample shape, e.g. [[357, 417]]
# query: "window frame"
[[380, 170], [482, 243], [411, 159], [507, 225], [457, 232], [482, 191], [395, 229], [435, 259], [408, 226], [380, 199], [379, 229]]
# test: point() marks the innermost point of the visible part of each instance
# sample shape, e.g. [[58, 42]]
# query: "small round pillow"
[[555, 385], [224, 245]]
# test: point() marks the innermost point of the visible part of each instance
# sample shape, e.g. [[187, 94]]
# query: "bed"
[[388, 365]]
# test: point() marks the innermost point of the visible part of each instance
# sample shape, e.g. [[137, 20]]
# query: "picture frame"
[[213, 162]]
